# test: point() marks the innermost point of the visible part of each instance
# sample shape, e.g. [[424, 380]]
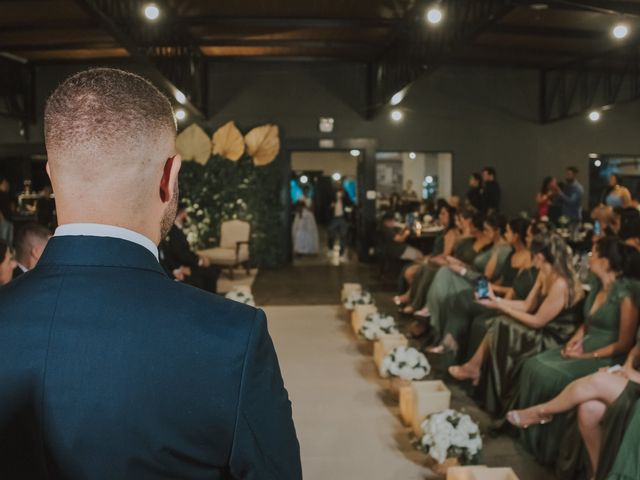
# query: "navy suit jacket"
[[110, 370]]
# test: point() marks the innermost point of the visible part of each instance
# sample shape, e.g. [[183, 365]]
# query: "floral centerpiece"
[[241, 296], [361, 297], [451, 435], [406, 363], [377, 324]]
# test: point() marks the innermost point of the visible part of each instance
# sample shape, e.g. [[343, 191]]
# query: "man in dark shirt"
[[194, 270], [491, 190], [474, 195]]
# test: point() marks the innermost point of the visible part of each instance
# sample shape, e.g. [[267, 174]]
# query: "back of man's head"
[[108, 135], [29, 242]]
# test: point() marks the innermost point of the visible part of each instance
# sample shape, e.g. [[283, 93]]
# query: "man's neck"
[[151, 233]]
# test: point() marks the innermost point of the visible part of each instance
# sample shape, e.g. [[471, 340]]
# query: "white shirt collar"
[[100, 230]]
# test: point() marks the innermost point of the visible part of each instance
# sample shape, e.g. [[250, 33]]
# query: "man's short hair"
[[105, 114], [25, 237], [573, 170], [490, 170]]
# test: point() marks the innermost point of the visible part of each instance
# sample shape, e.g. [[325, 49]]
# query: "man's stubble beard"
[[169, 214]]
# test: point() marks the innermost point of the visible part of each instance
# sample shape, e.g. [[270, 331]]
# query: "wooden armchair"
[[234, 246]]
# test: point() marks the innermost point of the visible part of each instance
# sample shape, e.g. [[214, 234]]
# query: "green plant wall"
[[221, 190]]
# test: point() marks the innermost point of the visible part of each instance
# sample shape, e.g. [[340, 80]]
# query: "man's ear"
[[48, 169], [169, 180]]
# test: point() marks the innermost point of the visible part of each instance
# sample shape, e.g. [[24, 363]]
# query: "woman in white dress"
[[305, 230]]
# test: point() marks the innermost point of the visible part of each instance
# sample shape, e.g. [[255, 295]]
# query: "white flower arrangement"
[[358, 298], [377, 324], [241, 296], [406, 363], [450, 434]]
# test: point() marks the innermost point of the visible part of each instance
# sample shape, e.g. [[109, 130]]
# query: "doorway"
[[316, 176]]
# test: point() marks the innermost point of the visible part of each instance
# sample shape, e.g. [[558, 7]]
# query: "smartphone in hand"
[[482, 288]]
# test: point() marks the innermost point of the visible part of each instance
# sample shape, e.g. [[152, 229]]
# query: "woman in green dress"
[[522, 284], [545, 319], [443, 246], [607, 406], [605, 338], [451, 300], [472, 243]]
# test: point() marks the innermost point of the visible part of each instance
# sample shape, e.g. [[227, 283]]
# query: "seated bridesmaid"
[[443, 247], [451, 300], [472, 242], [545, 319], [522, 284], [605, 337], [607, 403]]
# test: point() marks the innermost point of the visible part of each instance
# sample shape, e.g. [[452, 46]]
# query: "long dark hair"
[[519, 227], [452, 216], [545, 184], [623, 259], [497, 221]]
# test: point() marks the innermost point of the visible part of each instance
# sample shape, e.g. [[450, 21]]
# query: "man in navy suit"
[[109, 369]]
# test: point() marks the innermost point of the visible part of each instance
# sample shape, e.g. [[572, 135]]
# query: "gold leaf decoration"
[[263, 144], [193, 144], [228, 142]]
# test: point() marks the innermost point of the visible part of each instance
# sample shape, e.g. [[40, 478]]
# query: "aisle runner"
[[345, 429]]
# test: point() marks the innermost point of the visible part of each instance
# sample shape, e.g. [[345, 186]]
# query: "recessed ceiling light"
[[597, 163], [181, 114], [434, 15], [151, 11], [336, 176], [355, 152], [304, 179], [396, 115], [412, 155], [620, 31], [594, 116]]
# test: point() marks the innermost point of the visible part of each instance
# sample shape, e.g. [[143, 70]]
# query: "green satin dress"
[[438, 249], [620, 452], [548, 373], [522, 283], [451, 299], [511, 344], [463, 250]]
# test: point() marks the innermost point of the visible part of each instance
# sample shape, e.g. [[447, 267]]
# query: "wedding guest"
[[395, 242], [546, 318], [409, 194], [30, 241], [544, 198], [606, 218], [179, 255], [491, 192], [629, 227], [474, 194], [304, 230], [451, 299], [606, 402], [470, 244], [338, 225], [443, 246], [604, 338], [117, 371], [571, 195], [616, 195], [7, 265]]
